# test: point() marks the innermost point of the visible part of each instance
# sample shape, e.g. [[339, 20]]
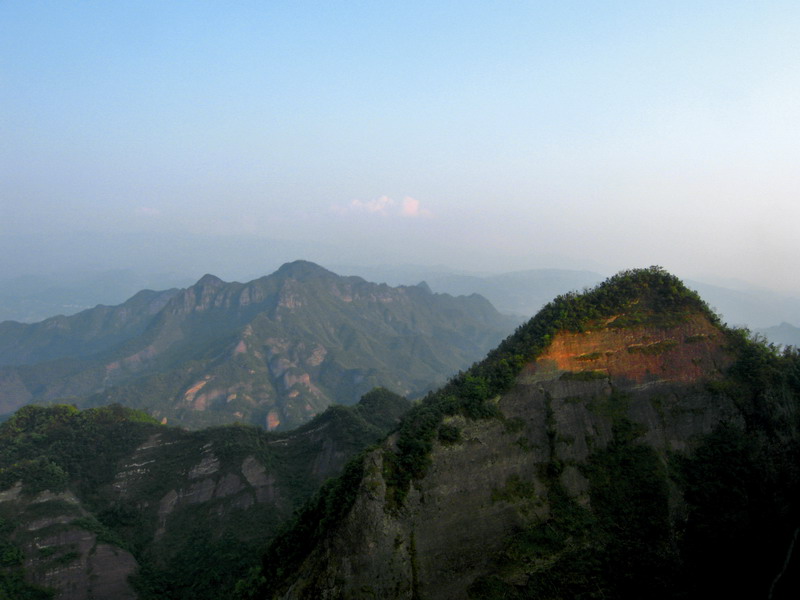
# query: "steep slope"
[[30, 298], [77, 336], [622, 444], [275, 351], [105, 503]]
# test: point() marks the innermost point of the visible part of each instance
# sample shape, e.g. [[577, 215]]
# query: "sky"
[[226, 136]]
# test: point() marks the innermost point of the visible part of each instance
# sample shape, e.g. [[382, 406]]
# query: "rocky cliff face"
[[61, 551], [578, 482]]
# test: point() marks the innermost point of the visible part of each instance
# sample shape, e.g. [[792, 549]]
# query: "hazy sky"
[[479, 135]]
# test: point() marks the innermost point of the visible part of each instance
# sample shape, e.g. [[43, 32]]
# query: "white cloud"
[[379, 206], [385, 206], [411, 208]]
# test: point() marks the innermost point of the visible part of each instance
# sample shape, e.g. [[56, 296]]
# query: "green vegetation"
[[694, 339], [649, 296], [652, 295], [577, 552], [514, 490], [654, 348], [311, 524], [12, 578], [592, 375], [47, 447], [14, 587], [56, 447], [741, 486], [449, 434], [205, 546]]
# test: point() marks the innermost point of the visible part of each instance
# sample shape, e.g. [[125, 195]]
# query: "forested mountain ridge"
[[107, 504], [274, 351], [621, 444]]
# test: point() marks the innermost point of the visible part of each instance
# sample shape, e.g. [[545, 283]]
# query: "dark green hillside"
[[645, 479], [185, 513], [48, 448], [51, 452], [273, 352]]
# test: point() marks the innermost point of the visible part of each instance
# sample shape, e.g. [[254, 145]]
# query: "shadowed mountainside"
[[107, 504], [621, 444]]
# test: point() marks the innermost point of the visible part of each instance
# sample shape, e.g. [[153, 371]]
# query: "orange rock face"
[[273, 420], [686, 353], [190, 395]]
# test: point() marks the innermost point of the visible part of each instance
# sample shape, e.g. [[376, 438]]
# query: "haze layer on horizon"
[[483, 137]]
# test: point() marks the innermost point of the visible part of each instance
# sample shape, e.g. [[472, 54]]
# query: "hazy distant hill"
[[749, 306], [28, 298], [783, 334], [519, 292], [525, 292], [274, 351], [33, 298], [80, 335]]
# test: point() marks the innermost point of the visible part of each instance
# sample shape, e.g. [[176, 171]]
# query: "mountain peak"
[[638, 295], [302, 269], [423, 285], [209, 280], [654, 309]]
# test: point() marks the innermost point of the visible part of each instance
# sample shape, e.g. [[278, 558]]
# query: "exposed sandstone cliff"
[[64, 549]]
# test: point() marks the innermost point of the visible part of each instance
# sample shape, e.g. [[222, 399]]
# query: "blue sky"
[[490, 136]]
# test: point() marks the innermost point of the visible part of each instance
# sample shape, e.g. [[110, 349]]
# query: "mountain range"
[[27, 298], [622, 443], [275, 351]]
